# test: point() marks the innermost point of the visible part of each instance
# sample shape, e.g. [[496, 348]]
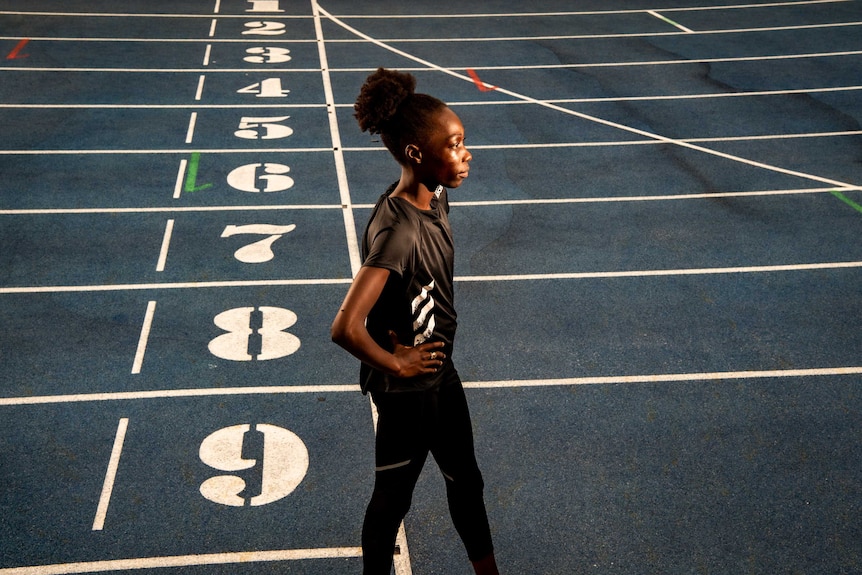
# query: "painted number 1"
[[264, 6]]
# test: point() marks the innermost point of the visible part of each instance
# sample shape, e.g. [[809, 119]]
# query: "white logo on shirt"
[[423, 318]]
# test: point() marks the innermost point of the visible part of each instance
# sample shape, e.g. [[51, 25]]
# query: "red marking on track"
[[479, 83], [16, 51]]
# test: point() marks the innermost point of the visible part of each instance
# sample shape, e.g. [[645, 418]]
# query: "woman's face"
[[445, 158]]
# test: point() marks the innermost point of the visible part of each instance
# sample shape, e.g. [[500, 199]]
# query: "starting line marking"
[[185, 561]]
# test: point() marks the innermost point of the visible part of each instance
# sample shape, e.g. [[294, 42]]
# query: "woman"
[[398, 319]]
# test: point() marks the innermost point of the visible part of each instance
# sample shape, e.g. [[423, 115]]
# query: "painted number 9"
[[284, 464]]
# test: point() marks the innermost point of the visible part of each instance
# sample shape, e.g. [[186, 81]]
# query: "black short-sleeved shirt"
[[417, 302]]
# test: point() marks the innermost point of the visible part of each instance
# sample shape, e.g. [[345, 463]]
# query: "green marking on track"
[[847, 200], [192, 175]]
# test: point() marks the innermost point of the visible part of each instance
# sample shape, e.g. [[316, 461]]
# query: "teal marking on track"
[[192, 175], [847, 200]]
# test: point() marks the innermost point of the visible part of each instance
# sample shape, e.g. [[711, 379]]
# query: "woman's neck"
[[409, 188]]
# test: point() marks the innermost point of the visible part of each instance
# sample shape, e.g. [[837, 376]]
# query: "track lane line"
[[588, 117], [690, 377], [110, 475]]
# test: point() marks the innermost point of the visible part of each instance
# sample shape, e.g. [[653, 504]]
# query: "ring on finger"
[[433, 355]]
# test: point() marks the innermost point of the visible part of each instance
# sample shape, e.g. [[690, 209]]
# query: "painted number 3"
[[254, 334]]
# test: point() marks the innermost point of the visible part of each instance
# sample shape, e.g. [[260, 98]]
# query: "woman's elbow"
[[340, 332]]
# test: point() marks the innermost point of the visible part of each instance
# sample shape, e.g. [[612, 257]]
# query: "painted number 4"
[[269, 88]]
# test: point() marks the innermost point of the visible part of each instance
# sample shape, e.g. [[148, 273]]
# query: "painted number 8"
[[239, 343]]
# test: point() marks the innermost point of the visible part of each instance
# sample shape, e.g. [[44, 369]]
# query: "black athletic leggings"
[[411, 424]]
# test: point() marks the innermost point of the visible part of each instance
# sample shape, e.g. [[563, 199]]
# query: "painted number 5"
[[263, 128]]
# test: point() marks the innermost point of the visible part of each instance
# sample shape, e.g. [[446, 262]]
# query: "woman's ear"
[[413, 153]]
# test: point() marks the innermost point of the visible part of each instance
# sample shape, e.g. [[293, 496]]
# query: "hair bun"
[[381, 95]]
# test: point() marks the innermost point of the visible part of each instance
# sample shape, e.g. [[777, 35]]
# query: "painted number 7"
[[261, 250]]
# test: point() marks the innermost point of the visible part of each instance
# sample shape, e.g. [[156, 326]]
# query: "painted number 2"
[[254, 333], [284, 464], [264, 28]]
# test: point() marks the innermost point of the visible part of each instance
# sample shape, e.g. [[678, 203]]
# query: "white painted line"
[[217, 7], [561, 37], [166, 106], [447, 16], [240, 557], [164, 209], [429, 39], [181, 174], [191, 131], [165, 151], [752, 94], [668, 378], [669, 21], [679, 61], [166, 242], [401, 561], [207, 54], [110, 476], [667, 198], [662, 273], [580, 12], [528, 146], [177, 393], [510, 202], [494, 278], [181, 285], [590, 118], [145, 336], [706, 96], [340, 169], [478, 68], [213, 27], [200, 89], [159, 14], [497, 384]]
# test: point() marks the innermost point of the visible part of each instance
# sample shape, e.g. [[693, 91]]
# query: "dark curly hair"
[[389, 105]]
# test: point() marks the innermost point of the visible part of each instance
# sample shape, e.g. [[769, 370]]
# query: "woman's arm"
[[348, 331]]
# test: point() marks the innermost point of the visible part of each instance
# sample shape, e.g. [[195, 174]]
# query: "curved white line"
[[595, 119]]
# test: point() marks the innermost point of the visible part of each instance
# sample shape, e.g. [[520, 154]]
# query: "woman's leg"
[[452, 446], [400, 456]]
